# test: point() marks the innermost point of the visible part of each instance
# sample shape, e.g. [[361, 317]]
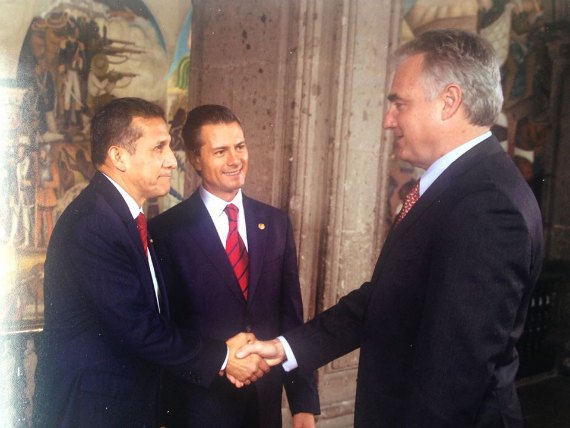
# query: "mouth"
[[232, 173]]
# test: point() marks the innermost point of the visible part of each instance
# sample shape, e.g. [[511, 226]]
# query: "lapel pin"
[[261, 226], [151, 241]]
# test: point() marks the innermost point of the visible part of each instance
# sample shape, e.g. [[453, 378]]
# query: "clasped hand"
[[242, 371], [251, 358]]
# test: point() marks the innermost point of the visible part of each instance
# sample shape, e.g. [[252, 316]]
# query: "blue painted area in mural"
[[182, 44], [408, 5], [140, 9]]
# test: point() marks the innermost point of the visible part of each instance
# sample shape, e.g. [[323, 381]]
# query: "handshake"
[[249, 358]]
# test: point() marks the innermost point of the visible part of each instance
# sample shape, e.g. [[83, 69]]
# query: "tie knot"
[[141, 221], [410, 200], [232, 212], [141, 226]]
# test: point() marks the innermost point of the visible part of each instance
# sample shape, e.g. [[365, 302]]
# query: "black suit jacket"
[[438, 322], [104, 339], [205, 296]]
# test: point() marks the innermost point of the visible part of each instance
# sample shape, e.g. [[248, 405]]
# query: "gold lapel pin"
[[151, 241], [261, 226]]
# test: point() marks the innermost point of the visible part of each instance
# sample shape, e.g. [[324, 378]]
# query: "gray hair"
[[455, 56]]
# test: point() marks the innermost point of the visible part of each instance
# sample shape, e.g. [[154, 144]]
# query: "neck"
[[457, 136], [118, 177]]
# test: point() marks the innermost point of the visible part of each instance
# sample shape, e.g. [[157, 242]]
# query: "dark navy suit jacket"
[[205, 296], [438, 322], [104, 339]]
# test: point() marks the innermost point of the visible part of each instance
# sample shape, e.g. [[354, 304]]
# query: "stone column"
[[309, 78], [340, 153]]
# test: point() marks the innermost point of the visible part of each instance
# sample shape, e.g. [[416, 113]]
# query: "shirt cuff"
[[226, 360], [291, 362]]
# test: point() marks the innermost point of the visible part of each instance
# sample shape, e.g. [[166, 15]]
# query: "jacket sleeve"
[[111, 277]]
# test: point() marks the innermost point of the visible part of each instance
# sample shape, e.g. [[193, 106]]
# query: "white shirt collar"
[[131, 203], [216, 206], [440, 165]]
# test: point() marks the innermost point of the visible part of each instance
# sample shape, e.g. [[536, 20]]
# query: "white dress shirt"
[[429, 177], [135, 211], [216, 206]]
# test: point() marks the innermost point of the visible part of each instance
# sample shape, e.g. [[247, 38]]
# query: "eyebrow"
[[393, 97]]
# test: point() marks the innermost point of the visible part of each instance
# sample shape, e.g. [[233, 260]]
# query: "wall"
[[308, 79]]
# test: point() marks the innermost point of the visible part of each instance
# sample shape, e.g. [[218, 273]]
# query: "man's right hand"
[[271, 351], [243, 371]]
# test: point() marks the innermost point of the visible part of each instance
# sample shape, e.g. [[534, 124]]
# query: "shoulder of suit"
[[263, 207], [172, 216]]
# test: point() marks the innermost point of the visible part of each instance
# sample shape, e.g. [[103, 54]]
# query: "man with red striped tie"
[[230, 266]]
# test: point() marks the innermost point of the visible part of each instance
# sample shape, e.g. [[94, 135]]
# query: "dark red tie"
[[141, 226], [235, 249], [411, 198]]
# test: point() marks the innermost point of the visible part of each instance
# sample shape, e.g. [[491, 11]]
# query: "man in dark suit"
[[107, 329], [230, 265], [438, 322]]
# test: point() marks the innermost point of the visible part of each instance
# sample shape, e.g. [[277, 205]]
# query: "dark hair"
[[455, 56], [112, 125], [209, 114]]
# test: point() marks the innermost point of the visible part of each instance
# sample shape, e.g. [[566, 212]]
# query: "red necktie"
[[141, 226], [236, 251], [411, 198]]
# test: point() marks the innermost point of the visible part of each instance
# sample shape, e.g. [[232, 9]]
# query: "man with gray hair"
[[438, 322]]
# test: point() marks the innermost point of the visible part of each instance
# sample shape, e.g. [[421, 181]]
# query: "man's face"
[[223, 159], [411, 117], [148, 170]]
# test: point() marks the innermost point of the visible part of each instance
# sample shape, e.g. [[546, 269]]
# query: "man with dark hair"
[[107, 325], [230, 265], [438, 322]]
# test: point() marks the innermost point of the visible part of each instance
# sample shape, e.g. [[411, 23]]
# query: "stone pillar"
[[308, 78]]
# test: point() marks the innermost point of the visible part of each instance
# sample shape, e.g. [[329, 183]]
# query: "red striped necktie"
[[235, 249]]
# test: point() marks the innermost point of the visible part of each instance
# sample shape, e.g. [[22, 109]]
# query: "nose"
[[390, 121], [170, 161], [232, 157]]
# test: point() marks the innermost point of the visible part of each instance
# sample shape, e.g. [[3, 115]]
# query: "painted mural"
[[75, 58], [517, 31], [178, 83]]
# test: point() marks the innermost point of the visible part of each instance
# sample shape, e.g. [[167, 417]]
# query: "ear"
[[451, 97], [196, 161], [118, 157]]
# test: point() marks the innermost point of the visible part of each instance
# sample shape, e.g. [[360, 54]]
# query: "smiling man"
[[107, 326], [438, 322], [230, 266]]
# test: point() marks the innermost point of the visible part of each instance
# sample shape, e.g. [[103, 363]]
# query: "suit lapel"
[[104, 187], [202, 229], [116, 201], [256, 242], [472, 157]]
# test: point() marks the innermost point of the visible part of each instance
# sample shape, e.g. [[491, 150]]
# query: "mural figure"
[[23, 195], [45, 102], [71, 64], [47, 183]]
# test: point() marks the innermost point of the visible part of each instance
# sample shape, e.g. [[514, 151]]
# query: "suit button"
[[248, 328]]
